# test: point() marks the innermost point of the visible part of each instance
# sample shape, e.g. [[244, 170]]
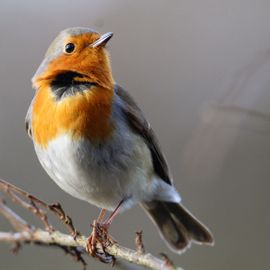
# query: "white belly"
[[103, 176]]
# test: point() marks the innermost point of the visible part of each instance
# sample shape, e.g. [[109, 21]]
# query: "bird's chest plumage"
[[86, 114], [102, 173]]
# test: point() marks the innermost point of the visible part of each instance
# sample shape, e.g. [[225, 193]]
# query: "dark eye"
[[69, 48]]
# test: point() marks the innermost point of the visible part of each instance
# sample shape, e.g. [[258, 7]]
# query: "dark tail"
[[176, 225]]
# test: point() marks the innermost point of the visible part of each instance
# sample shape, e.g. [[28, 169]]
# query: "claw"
[[100, 236]]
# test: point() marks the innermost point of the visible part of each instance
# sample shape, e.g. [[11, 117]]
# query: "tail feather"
[[176, 225]]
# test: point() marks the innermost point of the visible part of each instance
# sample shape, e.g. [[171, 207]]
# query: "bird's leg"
[[100, 235], [104, 227], [109, 220], [101, 215]]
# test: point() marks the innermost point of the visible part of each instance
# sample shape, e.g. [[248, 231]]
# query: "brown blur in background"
[[200, 70]]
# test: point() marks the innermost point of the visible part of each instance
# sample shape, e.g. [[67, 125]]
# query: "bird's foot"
[[98, 241]]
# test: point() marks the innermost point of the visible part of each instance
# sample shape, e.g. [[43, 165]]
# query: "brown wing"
[[140, 125]]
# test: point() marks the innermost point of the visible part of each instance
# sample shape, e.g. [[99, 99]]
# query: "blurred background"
[[200, 71]]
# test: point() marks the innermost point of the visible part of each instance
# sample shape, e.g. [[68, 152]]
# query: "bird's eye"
[[69, 48]]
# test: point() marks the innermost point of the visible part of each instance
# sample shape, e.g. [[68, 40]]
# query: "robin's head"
[[76, 55], [75, 88]]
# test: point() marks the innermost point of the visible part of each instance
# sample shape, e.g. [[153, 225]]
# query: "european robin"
[[94, 141]]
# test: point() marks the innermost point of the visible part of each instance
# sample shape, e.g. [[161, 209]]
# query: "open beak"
[[102, 41]]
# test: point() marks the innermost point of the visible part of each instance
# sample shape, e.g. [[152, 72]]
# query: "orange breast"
[[84, 115]]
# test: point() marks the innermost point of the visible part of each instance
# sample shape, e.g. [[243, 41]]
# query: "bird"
[[94, 141]]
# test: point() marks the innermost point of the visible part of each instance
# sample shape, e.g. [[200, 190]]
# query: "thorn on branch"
[[139, 243], [168, 261], [16, 247]]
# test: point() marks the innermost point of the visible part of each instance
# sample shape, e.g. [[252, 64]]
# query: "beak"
[[102, 41]]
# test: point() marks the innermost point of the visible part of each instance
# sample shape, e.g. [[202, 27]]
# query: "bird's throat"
[[69, 83]]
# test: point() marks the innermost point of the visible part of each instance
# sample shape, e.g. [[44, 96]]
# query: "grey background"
[[200, 71]]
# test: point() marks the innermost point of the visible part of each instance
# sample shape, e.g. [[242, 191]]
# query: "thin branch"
[[56, 208], [64, 240], [74, 246], [22, 226], [15, 220]]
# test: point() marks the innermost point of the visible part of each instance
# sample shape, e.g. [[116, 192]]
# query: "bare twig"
[[58, 210], [31, 206], [15, 220], [74, 246], [33, 203]]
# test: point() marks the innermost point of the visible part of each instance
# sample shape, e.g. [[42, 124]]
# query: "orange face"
[[91, 62], [82, 115]]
